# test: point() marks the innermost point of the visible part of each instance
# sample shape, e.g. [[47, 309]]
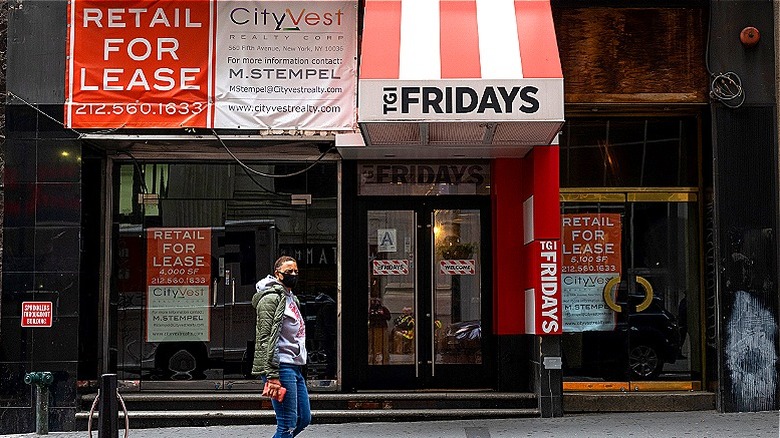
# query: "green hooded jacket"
[[269, 304]]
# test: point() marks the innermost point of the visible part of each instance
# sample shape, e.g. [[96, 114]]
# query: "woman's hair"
[[282, 260]]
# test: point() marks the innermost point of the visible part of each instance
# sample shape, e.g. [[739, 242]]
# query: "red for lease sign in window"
[[36, 314]]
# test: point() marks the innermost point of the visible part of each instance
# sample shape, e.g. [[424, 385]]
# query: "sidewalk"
[[699, 424]]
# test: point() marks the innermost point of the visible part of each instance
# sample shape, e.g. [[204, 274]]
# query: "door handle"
[[610, 300], [648, 293]]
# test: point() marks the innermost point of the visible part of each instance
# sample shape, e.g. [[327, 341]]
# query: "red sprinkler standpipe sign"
[[36, 314]]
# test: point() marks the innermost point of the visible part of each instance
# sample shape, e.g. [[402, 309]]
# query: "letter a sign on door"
[[386, 240]]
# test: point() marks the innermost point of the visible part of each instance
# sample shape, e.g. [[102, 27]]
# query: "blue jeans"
[[293, 413]]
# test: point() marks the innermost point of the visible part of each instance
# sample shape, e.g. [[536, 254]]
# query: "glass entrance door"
[[631, 289], [426, 296]]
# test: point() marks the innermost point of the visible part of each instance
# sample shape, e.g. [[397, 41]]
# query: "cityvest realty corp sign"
[[233, 64]]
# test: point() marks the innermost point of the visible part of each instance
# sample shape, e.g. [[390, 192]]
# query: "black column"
[[745, 179], [548, 375]]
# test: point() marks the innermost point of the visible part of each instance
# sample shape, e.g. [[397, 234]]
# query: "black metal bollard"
[[108, 410], [42, 381]]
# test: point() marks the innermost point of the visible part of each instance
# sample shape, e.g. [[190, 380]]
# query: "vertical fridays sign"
[[279, 64]]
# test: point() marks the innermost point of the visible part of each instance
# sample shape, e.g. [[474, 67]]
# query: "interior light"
[[65, 153]]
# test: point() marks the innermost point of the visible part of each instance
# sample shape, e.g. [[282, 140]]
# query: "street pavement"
[[698, 424]]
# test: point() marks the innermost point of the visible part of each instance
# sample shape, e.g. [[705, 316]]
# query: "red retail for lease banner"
[[138, 63], [234, 64]]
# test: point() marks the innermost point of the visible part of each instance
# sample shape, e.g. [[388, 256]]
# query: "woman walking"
[[280, 348]]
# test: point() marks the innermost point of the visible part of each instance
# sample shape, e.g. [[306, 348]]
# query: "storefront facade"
[[534, 214]]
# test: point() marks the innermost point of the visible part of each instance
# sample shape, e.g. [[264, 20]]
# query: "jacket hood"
[[268, 282]]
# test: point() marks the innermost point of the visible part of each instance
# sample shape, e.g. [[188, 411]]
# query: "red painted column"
[[541, 242], [507, 203]]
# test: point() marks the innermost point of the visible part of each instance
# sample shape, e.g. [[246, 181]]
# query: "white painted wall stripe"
[[420, 56], [499, 45], [528, 221], [530, 311]]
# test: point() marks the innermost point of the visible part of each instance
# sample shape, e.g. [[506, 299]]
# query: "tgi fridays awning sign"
[[178, 279], [468, 100], [288, 64], [591, 258]]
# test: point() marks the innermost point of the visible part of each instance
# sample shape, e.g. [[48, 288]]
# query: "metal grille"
[[393, 133], [457, 133], [528, 133]]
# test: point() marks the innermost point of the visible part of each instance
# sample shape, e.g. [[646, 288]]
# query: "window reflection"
[[391, 288], [458, 321], [252, 221], [623, 152], [653, 331]]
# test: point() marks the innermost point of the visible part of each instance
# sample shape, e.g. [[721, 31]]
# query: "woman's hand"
[[273, 388]]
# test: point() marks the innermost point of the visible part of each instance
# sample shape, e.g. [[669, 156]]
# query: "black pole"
[[42, 410], [108, 408]]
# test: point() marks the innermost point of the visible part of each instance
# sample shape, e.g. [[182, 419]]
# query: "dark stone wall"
[[41, 259], [37, 35], [43, 219]]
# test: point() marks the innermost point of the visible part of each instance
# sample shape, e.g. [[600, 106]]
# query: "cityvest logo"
[[460, 100], [287, 20]]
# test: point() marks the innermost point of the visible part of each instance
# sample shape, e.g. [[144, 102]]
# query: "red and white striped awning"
[[460, 73]]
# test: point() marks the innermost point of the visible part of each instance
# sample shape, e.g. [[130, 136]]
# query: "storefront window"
[[622, 152], [190, 242], [631, 291], [631, 250]]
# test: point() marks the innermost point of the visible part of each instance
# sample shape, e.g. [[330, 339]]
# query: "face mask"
[[289, 280]]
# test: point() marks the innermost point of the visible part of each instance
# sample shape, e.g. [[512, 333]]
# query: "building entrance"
[[424, 280]]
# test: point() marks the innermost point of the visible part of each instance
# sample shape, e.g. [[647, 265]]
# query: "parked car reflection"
[[639, 347], [462, 342]]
